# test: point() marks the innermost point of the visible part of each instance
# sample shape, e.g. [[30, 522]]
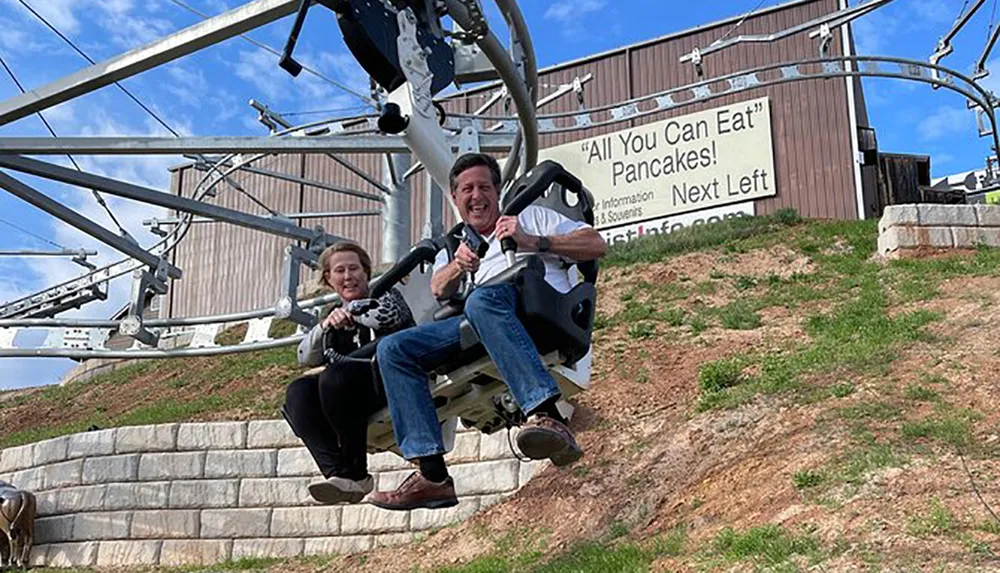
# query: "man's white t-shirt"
[[534, 220]]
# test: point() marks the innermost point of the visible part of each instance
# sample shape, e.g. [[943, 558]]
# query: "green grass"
[[739, 315], [842, 389], [857, 337], [855, 465], [947, 425], [806, 479], [769, 546], [938, 520], [921, 393], [609, 555], [715, 377], [880, 411], [642, 330]]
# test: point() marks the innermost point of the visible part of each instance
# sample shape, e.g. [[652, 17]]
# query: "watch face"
[[543, 244]]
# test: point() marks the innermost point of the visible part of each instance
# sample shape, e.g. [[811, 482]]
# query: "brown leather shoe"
[[546, 438], [418, 492]]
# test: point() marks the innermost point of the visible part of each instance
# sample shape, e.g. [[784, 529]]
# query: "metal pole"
[[434, 204], [293, 216], [62, 253], [396, 212], [56, 209], [203, 166], [137, 193], [492, 142], [359, 172], [176, 45]]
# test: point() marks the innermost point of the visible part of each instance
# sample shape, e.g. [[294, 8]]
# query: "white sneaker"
[[340, 490]]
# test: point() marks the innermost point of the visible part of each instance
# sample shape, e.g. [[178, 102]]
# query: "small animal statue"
[[17, 521]]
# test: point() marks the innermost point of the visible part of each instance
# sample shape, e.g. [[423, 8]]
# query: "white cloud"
[[261, 70], [61, 13], [14, 38], [129, 31], [933, 11], [569, 11], [569, 16], [869, 37], [64, 113], [946, 121], [188, 84], [939, 159]]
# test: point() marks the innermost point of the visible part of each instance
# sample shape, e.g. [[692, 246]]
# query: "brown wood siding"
[[228, 269]]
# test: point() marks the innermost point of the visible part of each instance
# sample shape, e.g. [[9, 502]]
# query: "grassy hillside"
[[767, 397]]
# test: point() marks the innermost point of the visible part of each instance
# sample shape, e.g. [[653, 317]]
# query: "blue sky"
[[207, 93]]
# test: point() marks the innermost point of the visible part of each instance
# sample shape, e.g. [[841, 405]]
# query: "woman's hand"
[[339, 318]]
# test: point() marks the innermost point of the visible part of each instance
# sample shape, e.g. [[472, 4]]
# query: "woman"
[[329, 411]]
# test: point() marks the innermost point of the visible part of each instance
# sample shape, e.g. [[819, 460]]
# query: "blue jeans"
[[405, 357]]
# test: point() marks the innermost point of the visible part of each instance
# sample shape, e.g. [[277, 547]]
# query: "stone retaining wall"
[[909, 228], [197, 494]]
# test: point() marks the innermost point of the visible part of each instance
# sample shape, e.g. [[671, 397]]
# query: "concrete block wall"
[[908, 228], [198, 494]]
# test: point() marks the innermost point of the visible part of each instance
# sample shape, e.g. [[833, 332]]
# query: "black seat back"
[[555, 320]]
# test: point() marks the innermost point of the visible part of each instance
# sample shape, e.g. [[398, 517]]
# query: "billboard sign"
[[679, 165]]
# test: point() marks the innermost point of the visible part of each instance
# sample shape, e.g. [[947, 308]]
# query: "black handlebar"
[[423, 252], [533, 185], [287, 62]]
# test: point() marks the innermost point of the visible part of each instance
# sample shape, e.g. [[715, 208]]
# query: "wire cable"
[[92, 62], [27, 232], [962, 11], [97, 196], [740, 23], [993, 21], [368, 101], [126, 92], [319, 111]]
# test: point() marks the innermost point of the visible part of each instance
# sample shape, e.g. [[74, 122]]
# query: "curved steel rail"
[[516, 87]]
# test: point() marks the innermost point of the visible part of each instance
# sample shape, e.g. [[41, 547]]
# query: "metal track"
[[756, 78]]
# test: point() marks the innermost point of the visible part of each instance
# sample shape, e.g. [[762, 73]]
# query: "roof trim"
[[644, 43]]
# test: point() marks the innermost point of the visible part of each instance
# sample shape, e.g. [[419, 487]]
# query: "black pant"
[[329, 413]]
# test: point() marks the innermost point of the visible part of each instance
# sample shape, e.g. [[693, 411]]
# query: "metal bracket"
[[471, 64], [825, 39], [132, 325], [288, 305], [271, 120]]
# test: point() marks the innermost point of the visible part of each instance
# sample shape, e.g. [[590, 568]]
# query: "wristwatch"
[[544, 244]]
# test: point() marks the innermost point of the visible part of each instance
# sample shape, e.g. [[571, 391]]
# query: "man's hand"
[[339, 318], [466, 260], [508, 226]]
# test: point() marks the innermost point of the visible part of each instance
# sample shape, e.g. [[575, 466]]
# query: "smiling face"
[[347, 276], [477, 198]]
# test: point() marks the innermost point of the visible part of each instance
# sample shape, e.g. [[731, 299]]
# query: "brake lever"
[[476, 243]]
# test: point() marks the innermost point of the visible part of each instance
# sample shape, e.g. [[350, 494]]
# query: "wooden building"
[[817, 161]]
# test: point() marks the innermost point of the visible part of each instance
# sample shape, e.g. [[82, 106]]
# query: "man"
[[406, 356]]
